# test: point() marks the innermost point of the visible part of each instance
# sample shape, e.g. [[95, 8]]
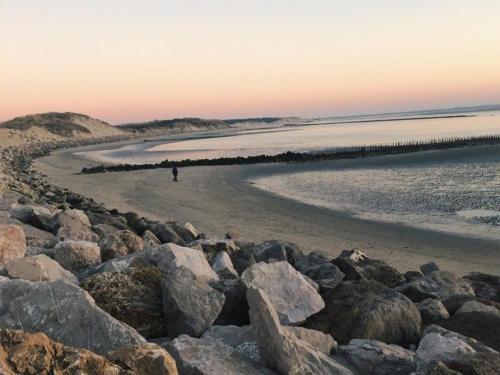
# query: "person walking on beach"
[[175, 172]]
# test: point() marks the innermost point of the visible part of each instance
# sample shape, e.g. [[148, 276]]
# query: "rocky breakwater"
[[89, 290]]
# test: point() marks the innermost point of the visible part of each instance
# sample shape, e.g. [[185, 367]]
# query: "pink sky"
[[123, 61]]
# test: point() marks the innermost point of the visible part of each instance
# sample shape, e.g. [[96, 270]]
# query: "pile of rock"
[[83, 289]]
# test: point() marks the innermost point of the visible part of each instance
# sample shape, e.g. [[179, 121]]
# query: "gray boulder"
[[438, 284], [485, 286], [112, 246], [208, 356], [166, 234], [280, 349], [355, 264], [12, 243], [367, 309], [439, 344], [429, 268], [291, 295], [377, 358], [73, 225], [190, 305], [269, 251], [38, 268], [211, 247], [37, 216], [431, 310], [475, 306], [77, 256], [150, 240], [170, 256], [223, 266], [65, 313]]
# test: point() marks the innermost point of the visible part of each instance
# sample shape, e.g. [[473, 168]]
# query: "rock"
[[39, 238], [291, 295], [235, 336], [231, 335], [235, 310], [166, 234], [65, 313], [147, 359], [208, 356], [103, 230], [212, 247], [190, 305], [132, 296], [12, 243], [112, 246], [482, 326], [280, 349], [377, 358], [38, 268], [355, 264], [251, 351], [73, 225], [439, 344], [475, 306], [326, 275], [171, 256], [131, 240], [412, 276], [186, 235], [455, 302], [485, 286], [150, 240], [138, 224], [475, 364], [26, 353], [367, 309], [118, 264], [440, 369], [429, 268], [116, 221], [270, 251], [76, 256], [192, 230], [313, 259], [439, 284], [432, 310], [37, 216], [223, 266]]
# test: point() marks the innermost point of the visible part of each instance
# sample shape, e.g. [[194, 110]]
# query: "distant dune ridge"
[[54, 126]]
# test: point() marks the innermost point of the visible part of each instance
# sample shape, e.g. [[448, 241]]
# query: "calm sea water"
[[301, 138]]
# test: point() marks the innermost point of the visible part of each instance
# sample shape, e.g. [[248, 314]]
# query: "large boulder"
[[439, 344], [38, 268], [377, 358], [269, 251], [223, 266], [482, 326], [476, 306], [367, 309], [170, 256], [437, 284], [132, 296], [432, 310], [77, 256], [166, 234], [12, 243], [282, 350], [34, 353], [147, 359], [456, 302], [37, 216], [150, 241], [474, 364], [65, 313], [190, 305], [212, 247], [355, 264], [73, 225], [291, 295], [116, 221], [484, 285], [120, 243], [208, 356]]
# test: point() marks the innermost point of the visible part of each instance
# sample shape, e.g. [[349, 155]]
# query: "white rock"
[[223, 266], [38, 268], [291, 295]]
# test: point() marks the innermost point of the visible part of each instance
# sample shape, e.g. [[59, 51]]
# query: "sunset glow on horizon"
[[125, 61]]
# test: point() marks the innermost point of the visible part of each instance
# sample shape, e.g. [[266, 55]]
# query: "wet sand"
[[220, 199]]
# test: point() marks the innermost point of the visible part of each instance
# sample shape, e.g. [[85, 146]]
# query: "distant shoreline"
[[381, 120]]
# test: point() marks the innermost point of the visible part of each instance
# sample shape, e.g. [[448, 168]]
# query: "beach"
[[222, 199]]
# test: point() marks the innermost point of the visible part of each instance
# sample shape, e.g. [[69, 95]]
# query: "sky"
[[124, 61]]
